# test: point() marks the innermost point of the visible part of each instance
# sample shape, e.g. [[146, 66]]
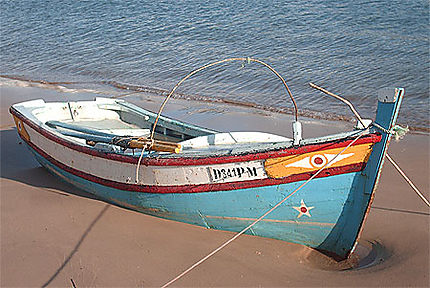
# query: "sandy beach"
[[53, 234]]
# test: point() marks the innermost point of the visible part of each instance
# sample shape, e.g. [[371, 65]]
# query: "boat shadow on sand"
[[18, 164]]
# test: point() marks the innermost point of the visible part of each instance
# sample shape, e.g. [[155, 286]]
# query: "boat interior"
[[94, 123]]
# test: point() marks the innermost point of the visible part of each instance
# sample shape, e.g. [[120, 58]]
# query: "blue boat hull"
[[233, 210]]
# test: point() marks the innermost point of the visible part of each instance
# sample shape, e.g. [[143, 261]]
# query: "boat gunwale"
[[281, 149]]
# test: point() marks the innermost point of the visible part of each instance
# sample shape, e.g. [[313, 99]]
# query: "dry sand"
[[52, 232]]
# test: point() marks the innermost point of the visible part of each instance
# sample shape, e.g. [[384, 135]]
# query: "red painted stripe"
[[64, 142], [198, 188], [162, 160]]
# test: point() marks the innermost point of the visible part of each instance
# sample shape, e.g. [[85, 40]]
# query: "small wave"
[[18, 81], [283, 110], [195, 97]]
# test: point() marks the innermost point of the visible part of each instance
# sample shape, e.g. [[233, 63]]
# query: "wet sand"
[[52, 232]]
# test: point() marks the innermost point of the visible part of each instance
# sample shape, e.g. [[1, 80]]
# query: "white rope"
[[140, 159], [408, 180], [382, 128], [261, 217], [138, 165]]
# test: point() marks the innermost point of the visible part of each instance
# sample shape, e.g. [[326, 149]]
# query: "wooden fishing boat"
[[217, 180]]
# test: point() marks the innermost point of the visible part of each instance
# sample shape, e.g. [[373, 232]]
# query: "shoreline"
[[53, 232], [135, 90]]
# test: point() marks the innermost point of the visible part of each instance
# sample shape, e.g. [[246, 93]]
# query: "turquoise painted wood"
[[235, 209]]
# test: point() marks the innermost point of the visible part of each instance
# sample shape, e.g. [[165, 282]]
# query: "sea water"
[[351, 48]]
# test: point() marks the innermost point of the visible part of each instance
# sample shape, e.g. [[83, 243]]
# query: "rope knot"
[[399, 132], [149, 144], [247, 61]]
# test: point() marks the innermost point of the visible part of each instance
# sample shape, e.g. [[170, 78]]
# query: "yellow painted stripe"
[[21, 129], [273, 220], [313, 161]]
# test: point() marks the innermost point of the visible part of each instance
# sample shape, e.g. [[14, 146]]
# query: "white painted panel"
[[148, 175], [232, 138]]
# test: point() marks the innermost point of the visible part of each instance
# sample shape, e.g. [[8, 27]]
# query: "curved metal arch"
[[248, 59]]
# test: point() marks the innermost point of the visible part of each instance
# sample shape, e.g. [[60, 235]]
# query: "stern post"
[[389, 102]]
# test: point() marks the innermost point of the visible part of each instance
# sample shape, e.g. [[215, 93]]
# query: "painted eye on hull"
[[318, 161], [355, 156]]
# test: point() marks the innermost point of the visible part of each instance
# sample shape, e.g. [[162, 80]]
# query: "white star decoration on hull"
[[303, 209]]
